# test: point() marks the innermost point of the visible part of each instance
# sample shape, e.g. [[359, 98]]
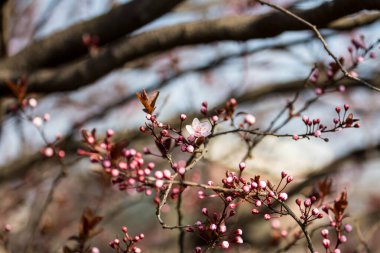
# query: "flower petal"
[[195, 123], [190, 129]]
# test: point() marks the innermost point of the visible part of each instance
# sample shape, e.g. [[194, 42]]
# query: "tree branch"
[[88, 70], [66, 45]]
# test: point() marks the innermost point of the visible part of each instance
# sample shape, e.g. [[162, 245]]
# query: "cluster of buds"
[[358, 50], [346, 120], [315, 128], [307, 210], [128, 243], [164, 135], [125, 166], [255, 191], [213, 229], [326, 241], [51, 149], [38, 121]]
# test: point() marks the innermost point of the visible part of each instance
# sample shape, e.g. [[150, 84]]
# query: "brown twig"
[[323, 41]]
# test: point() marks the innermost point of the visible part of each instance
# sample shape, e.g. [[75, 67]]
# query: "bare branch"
[[67, 45]]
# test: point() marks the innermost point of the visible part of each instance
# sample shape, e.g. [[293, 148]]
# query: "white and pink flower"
[[199, 129]]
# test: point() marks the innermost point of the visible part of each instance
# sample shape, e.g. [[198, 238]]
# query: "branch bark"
[[66, 45]]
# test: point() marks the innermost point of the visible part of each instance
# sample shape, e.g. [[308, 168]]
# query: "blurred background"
[[262, 73]]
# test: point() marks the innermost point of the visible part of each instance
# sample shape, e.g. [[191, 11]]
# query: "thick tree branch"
[[88, 70], [67, 45]]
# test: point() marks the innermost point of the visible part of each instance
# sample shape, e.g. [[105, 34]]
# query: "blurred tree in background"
[[71, 65]]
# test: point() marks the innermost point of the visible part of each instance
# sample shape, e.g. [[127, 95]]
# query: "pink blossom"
[[199, 129], [225, 245], [250, 119]]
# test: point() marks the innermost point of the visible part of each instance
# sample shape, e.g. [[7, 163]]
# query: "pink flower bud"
[[214, 118], [32, 102], [110, 132], [317, 133], [250, 119], [167, 174], [275, 223], [225, 245], [190, 148], [315, 211], [198, 250], [262, 184], [326, 243], [238, 240], [258, 203], [242, 166], [325, 233], [359, 59], [283, 174], [213, 227], [298, 201], [222, 228], [48, 151], [255, 211], [283, 196], [181, 170], [341, 88], [115, 172], [348, 228], [37, 121], [346, 107], [337, 109], [95, 250], [267, 216], [289, 179], [7, 228], [353, 74], [158, 174], [295, 137], [183, 117], [246, 188], [318, 91], [343, 239], [159, 183], [307, 202]]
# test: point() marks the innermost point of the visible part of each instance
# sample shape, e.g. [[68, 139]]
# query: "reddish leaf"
[[18, 89], [350, 120], [340, 206], [117, 149], [149, 102]]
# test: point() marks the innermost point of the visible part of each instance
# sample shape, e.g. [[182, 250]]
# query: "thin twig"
[[323, 41]]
